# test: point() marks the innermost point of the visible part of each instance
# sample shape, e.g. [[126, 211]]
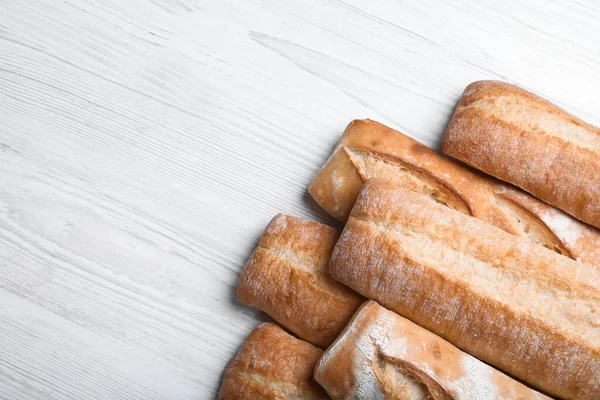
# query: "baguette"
[[287, 277], [383, 355], [272, 365], [369, 149], [523, 139], [511, 303]]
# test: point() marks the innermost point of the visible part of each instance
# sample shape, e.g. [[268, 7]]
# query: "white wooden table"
[[144, 145]]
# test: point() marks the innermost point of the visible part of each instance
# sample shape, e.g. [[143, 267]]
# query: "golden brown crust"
[[369, 149], [288, 278], [513, 304], [383, 354], [273, 365], [523, 139]]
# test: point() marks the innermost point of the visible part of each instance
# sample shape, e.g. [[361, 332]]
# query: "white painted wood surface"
[[144, 145]]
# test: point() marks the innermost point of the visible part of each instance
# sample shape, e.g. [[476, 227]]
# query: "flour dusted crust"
[[507, 301], [523, 139], [369, 149], [383, 355], [287, 277], [273, 365]]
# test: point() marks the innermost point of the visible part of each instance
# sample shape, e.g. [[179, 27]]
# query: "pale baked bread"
[[272, 365], [287, 277], [523, 139], [511, 303], [381, 355], [369, 149]]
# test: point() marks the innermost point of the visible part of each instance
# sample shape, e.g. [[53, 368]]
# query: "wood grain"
[[145, 145]]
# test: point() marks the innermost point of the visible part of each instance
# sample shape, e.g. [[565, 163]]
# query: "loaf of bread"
[[369, 149], [523, 139], [288, 277], [511, 303], [272, 365], [382, 355]]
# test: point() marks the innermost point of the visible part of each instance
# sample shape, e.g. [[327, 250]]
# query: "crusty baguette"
[[523, 139], [288, 278], [383, 355], [369, 149], [505, 300], [272, 365]]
